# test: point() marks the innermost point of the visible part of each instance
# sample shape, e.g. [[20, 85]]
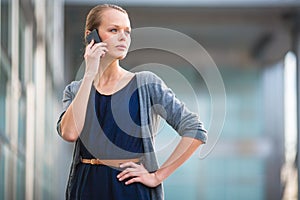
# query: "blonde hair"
[[94, 17]]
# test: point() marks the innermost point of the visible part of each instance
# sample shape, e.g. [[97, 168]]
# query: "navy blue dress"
[[99, 181]]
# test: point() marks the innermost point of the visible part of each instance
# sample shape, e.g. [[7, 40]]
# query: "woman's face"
[[115, 31]]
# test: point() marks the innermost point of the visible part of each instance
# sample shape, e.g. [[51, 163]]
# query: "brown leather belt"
[[114, 163]]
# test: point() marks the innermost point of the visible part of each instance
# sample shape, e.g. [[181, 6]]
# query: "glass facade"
[[236, 168], [22, 94], [2, 170], [6, 26], [4, 74], [238, 172], [5, 70], [26, 161]]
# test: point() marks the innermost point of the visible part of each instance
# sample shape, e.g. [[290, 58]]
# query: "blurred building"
[[41, 52], [31, 155]]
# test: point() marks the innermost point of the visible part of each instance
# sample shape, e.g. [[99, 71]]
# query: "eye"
[[114, 30], [128, 32]]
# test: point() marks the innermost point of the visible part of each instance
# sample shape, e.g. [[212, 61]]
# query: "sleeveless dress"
[[100, 181]]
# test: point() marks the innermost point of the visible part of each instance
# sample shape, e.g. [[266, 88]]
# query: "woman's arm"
[[185, 148], [186, 123], [73, 119], [137, 173]]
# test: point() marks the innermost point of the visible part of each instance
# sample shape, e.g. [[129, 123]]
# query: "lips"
[[122, 47]]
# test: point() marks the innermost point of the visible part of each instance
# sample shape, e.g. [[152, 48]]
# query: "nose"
[[122, 36]]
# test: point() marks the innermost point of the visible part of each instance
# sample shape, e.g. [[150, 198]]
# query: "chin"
[[118, 55], [121, 57]]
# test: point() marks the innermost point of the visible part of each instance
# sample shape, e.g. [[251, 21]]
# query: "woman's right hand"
[[92, 55]]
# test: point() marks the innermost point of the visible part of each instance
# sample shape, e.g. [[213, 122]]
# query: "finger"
[[102, 49], [91, 44], [102, 55], [97, 45], [125, 171], [103, 44], [92, 47], [130, 174], [97, 53], [136, 167], [133, 180], [99, 50], [129, 164]]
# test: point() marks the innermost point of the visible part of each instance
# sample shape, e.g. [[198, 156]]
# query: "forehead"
[[115, 17]]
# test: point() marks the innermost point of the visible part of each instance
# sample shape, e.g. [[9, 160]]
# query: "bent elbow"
[[69, 136]]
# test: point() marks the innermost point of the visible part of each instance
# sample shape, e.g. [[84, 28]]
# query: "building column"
[[30, 119], [14, 95], [40, 92], [296, 49]]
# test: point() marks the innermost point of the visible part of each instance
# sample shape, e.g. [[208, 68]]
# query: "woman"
[[113, 114]]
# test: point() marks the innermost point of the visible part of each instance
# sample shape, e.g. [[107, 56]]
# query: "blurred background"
[[254, 43]]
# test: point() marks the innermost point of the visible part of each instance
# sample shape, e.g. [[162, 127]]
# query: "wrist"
[[89, 77], [158, 177]]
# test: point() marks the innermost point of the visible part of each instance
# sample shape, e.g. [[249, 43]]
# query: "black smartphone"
[[93, 35]]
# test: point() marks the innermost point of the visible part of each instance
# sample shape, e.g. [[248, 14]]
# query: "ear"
[[87, 32]]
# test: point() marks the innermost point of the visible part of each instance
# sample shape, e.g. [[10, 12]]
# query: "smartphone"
[[93, 35]]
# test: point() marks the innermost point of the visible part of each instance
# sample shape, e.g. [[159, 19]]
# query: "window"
[[1, 171], [6, 26], [5, 61], [22, 70]]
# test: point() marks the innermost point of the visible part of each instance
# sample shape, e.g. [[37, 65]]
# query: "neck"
[[109, 70]]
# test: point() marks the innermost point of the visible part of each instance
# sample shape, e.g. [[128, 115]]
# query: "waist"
[[109, 162]]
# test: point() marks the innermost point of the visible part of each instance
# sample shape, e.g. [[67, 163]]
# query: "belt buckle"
[[93, 161]]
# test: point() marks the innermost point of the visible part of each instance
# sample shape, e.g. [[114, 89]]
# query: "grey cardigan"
[[156, 100]]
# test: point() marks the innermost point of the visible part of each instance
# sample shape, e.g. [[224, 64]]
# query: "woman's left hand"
[[138, 173]]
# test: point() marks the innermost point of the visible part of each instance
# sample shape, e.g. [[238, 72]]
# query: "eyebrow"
[[119, 26]]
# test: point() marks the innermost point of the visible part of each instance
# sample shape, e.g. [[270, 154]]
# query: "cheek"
[[105, 36], [129, 40]]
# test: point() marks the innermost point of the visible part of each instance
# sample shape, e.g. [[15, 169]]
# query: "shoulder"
[[73, 87], [152, 82], [147, 77]]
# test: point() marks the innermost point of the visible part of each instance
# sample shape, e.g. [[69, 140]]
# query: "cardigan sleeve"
[[68, 96], [168, 106]]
